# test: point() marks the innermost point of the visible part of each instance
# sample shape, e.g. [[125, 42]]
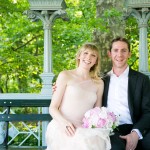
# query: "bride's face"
[[88, 58]]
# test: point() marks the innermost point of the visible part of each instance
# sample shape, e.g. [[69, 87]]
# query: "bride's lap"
[[84, 139]]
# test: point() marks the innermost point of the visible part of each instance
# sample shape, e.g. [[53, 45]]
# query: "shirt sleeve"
[[139, 133]]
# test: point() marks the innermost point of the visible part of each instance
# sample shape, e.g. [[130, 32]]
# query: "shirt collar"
[[124, 74]]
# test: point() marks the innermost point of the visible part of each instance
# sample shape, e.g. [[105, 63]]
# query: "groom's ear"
[[129, 55], [109, 53]]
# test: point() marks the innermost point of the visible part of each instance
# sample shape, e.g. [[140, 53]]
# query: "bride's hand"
[[70, 129]]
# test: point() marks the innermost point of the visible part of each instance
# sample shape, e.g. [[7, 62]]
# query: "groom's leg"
[[117, 143]]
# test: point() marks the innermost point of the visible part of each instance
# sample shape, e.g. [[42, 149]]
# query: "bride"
[[78, 90]]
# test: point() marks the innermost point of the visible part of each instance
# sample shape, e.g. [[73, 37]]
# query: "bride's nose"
[[88, 56]]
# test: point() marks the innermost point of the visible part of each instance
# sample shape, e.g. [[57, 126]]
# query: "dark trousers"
[[119, 144]]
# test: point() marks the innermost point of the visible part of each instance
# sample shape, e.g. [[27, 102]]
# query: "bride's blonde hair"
[[95, 69]]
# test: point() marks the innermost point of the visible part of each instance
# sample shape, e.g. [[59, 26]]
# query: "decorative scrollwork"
[[46, 16], [31, 15]]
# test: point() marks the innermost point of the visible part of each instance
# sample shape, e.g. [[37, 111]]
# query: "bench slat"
[[25, 117], [25, 103]]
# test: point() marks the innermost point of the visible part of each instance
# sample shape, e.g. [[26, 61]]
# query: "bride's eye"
[[86, 53], [93, 55]]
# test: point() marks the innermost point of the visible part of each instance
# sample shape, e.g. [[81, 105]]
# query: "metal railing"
[[18, 129]]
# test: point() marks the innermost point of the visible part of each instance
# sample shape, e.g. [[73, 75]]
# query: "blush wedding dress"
[[78, 98]]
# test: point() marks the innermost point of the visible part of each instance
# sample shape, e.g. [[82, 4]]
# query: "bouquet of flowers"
[[100, 118]]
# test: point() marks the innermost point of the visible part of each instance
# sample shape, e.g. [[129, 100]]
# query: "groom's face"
[[119, 54]]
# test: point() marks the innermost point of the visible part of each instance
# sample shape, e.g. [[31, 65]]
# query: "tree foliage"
[[21, 42]]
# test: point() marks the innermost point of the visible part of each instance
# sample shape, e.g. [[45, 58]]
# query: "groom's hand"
[[131, 140], [54, 87]]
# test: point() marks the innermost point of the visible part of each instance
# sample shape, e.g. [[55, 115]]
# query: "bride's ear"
[[78, 57]]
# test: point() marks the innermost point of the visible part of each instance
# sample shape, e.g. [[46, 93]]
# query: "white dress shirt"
[[118, 96]]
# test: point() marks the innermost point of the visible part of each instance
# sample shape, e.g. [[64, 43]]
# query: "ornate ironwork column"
[[46, 11], [140, 9]]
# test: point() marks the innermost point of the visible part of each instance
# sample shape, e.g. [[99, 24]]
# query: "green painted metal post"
[[140, 9], [142, 17], [47, 11]]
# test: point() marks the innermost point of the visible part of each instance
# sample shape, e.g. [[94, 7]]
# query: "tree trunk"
[[113, 25]]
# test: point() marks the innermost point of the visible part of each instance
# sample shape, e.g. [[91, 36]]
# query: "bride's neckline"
[[79, 76]]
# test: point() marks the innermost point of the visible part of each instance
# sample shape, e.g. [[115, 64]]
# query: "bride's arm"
[[99, 93], [61, 84]]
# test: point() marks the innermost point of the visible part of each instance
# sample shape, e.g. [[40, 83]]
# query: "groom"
[[127, 94]]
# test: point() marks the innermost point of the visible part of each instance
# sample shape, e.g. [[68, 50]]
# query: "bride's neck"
[[84, 74]]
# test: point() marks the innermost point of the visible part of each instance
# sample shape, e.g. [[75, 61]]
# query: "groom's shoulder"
[[137, 73], [132, 71]]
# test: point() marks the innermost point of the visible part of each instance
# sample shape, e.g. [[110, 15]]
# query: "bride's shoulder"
[[65, 74]]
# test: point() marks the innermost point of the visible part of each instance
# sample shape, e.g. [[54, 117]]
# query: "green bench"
[[7, 103]]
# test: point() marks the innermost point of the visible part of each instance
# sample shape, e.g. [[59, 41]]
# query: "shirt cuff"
[[139, 133]]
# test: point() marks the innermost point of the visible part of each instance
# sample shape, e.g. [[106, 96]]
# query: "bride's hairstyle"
[[95, 69]]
